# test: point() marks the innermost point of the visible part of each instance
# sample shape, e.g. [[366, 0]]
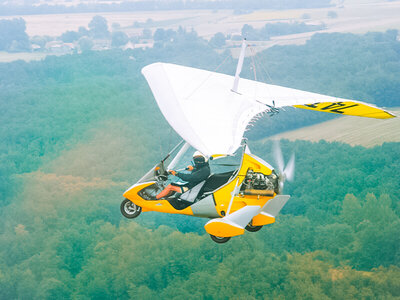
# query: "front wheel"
[[252, 228], [219, 240], [129, 209]]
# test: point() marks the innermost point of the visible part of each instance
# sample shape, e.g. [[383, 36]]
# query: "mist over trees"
[[77, 130]]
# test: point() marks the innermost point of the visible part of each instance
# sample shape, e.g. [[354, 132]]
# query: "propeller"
[[284, 172]]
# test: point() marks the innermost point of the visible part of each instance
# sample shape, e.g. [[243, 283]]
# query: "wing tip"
[[392, 114], [146, 68], [367, 110]]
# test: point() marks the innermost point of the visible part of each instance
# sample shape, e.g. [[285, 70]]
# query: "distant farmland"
[[351, 17], [351, 130]]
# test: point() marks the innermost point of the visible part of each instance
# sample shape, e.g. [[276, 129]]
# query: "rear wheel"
[[252, 228], [219, 240], [129, 209]]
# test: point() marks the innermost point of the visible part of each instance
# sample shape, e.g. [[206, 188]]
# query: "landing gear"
[[252, 228], [219, 240], [129, 209]]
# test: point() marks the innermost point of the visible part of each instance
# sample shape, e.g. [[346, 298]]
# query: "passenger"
[[197, 173]]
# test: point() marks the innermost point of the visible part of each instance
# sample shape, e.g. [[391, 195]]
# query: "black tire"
[[129, 209], [219, 240], [252, 228]]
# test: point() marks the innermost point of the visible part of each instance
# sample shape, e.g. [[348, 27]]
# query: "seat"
[[181, 201], [215, 181], [191, 195]]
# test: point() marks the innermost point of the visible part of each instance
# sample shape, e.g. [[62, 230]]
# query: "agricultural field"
[[348, 16], [356, 17], [350, 130], [56, 24]]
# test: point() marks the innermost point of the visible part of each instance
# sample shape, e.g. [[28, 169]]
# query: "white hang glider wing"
[[204, 110]]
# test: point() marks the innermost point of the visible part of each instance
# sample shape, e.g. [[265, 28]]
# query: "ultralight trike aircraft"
[[211, 112]]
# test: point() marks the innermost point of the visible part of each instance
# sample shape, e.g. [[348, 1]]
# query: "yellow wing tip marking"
[[350, 108]]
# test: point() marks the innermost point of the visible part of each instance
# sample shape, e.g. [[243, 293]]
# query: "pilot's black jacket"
[[198, 174]]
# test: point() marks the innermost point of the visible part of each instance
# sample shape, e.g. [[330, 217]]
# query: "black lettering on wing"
[[340, 110], [313, 105], [333, 106]]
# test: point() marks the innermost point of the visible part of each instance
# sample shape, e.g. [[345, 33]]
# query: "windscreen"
[[217, 165]]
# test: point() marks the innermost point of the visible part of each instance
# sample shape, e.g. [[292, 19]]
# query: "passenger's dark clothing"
[[198, 174]]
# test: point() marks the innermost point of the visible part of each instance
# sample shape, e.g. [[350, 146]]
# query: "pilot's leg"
[[168, 191]]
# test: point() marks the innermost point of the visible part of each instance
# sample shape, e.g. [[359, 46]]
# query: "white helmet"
[[199, 157]]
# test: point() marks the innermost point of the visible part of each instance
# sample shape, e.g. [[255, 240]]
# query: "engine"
[[259, 184]]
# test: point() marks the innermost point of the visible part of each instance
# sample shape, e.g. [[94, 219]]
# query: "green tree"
[[70, 36], [119, 39], [98, 27], [162, 35], [248, 32], [146, 33], [83, 31], [13, 37], [218, 40], [351, 211], [85, 43], [40, 40]]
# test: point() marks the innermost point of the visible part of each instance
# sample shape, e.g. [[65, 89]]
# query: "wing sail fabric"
[[200, 106], [206, 113]]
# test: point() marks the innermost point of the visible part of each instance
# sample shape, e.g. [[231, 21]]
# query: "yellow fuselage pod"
[[222, 196], [153, 205]]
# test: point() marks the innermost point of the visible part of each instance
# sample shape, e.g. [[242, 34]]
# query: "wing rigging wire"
[[265, 70], [255, 62]]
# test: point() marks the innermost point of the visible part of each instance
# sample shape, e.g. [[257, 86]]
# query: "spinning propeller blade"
[[289, 170], [278, 156], [284, 173]]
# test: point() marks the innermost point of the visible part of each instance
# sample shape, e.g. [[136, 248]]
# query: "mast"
[[239, 66]]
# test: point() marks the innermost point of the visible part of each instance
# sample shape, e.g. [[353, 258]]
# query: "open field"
[[356, 16], [56, 24], [351, 130], [352, 17]]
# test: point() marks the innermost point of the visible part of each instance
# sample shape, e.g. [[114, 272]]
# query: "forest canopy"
[[78, 130]]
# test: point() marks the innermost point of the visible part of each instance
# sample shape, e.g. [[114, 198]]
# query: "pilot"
[[197, 173]]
